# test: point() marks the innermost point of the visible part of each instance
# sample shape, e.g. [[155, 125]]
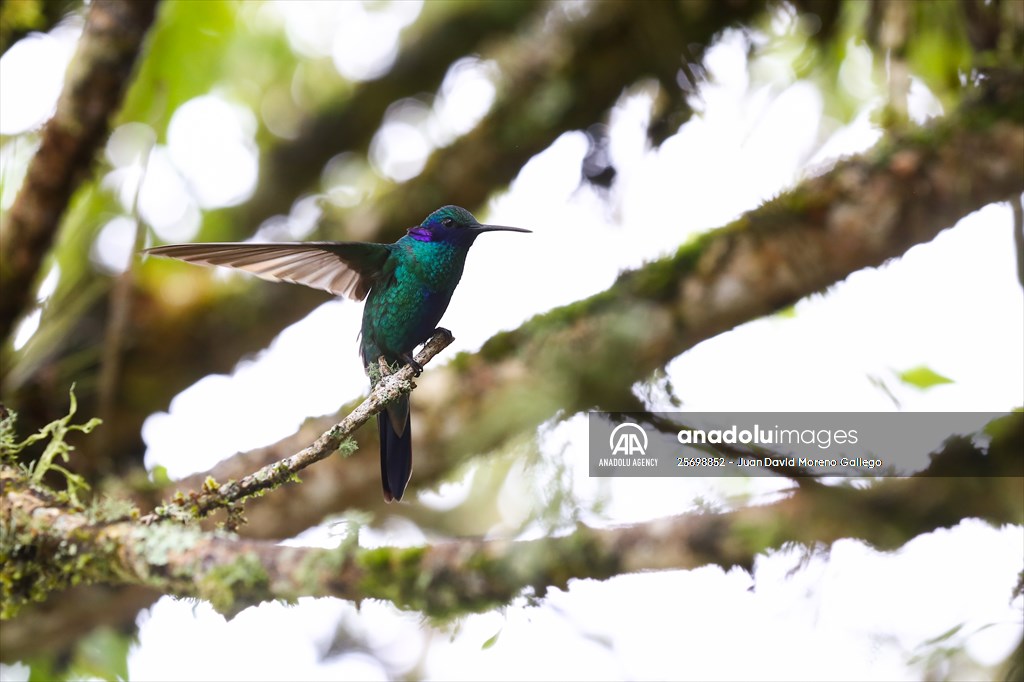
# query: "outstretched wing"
[[342, 268]]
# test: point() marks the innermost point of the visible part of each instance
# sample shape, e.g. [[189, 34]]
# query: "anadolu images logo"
[[628, 439]]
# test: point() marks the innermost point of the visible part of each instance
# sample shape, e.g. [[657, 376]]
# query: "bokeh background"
[[616, 131]]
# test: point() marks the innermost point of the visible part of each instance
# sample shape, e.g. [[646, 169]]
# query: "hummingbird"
[[407, 287]]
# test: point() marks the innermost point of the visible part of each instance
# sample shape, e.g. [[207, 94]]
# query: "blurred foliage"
[[188, 55], [555, 67], [923, 377], [20, 17], [102, 654]]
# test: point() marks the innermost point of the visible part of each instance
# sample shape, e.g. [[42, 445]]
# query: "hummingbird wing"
[[343, 268]]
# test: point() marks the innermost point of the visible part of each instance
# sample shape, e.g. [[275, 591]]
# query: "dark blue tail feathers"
[[395, 449]]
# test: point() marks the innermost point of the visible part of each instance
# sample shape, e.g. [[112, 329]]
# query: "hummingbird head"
[[453, 223]]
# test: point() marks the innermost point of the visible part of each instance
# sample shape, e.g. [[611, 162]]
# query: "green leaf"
[[103, 654], [490, 641], [938, 639], [159, 475], [787, 313], [923, 377], [184, 59]]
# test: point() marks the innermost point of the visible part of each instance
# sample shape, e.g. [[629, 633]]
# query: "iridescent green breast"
[[404, 308]]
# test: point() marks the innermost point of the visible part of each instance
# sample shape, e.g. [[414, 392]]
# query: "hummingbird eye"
[[447, 222]]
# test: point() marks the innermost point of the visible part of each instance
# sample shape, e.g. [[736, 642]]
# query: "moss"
[[389, 559], [8, 436], [392, 573], [235, 518], [590, 555], [34, 560], [317, 569], [504, 344], [311, 572], [445, 591], [33, 564], [108, 509], [232, 587], [655, 281], [486, 582]]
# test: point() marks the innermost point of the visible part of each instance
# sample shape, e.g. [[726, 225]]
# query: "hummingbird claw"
[[417, 368]]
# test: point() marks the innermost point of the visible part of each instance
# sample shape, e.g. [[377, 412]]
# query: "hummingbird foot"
[[417, 368]]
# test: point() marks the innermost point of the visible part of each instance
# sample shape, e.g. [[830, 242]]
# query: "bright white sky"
[[953, 305]]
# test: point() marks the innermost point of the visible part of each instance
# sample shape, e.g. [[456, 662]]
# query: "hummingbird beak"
[[497, 228]]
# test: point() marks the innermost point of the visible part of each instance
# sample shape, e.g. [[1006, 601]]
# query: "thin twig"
[[121, 295], [1018, 234], [213, 496]]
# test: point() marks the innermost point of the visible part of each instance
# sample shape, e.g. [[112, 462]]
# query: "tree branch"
[[48, 546], [213, 496], [93, 90]]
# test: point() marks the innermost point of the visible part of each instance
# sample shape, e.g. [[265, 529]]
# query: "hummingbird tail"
[[395, 449]]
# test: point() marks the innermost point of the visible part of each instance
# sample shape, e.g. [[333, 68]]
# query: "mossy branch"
[[213, 495], [59, 546]]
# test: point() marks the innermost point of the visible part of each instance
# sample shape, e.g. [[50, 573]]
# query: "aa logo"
[[628, 439]]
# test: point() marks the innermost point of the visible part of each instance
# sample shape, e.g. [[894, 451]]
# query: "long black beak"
[[497, 228]]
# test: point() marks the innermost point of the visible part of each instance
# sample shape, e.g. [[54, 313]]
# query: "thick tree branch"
[[93, 90], [47, 545]]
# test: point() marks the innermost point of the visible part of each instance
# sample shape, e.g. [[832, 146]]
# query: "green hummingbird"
[[407, 286]]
